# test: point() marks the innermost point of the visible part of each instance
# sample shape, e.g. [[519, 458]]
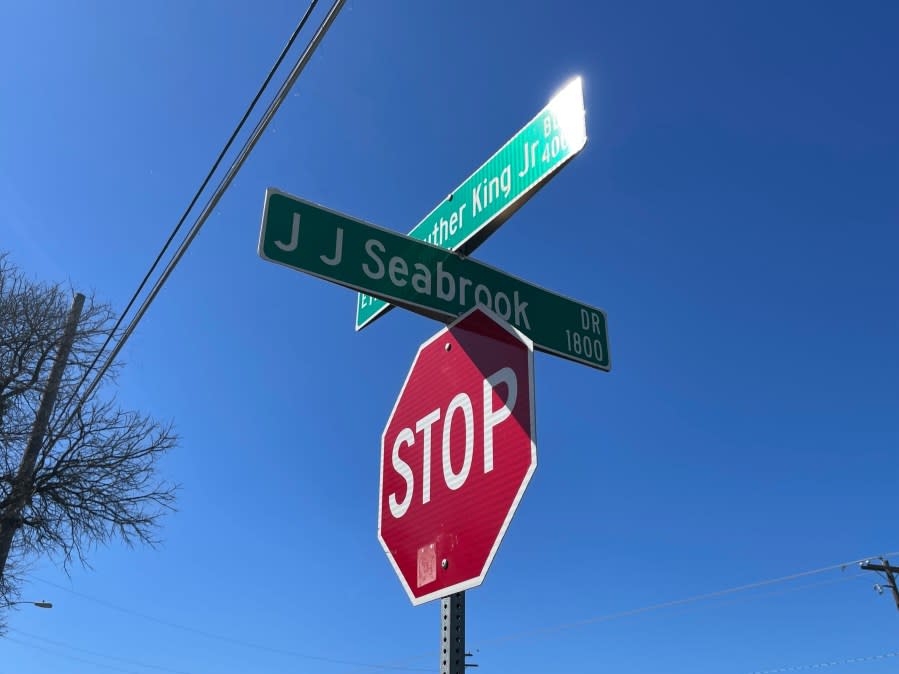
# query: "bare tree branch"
[[96, 479]]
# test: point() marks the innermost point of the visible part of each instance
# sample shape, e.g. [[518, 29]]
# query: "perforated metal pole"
[[452, 634]]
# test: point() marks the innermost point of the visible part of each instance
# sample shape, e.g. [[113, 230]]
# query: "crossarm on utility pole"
[[889, 571]]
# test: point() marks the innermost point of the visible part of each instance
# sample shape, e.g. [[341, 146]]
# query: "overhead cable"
[[672, 603], [402, 665], [223, 185], [832, 663], [78, 649]]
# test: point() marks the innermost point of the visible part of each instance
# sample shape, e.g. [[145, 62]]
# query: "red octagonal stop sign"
[[457, 454]]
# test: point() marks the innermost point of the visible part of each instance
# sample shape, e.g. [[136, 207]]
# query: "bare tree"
[[95, 476]]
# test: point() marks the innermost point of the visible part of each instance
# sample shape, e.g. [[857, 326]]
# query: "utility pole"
[[11, 516], [888, 570]]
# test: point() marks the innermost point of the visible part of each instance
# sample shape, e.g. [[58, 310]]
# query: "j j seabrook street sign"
[[497, 189], [424, 278]]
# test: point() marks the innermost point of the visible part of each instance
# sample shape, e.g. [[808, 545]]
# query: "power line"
[[223, 185], [832, 663], [654, 607], [226, 639], [60, 644], [670, 604], [70, 657], [798, 588], [401, 664], [199, 192]]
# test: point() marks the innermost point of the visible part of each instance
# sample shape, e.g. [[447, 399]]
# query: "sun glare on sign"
[[567, 108]]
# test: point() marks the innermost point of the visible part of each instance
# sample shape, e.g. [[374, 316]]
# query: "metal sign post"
[[452, 634]]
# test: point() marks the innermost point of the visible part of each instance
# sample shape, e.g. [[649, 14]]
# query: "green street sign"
[[424, 278], [475, 209]]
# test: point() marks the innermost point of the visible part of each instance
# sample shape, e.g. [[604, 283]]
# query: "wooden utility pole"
[[888, 571], [11, 516]]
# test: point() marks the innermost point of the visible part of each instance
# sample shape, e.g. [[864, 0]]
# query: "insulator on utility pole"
[[889, 572]]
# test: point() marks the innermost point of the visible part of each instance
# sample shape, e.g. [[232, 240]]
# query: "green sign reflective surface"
[[425, 278], [476, 208]]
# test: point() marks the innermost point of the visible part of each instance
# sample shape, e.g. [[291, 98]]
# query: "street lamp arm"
[[39, 604]]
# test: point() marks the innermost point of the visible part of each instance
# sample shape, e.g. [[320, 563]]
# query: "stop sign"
[[457, 454]]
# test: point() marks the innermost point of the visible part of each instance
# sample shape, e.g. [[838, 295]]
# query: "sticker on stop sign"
[[457, 454]]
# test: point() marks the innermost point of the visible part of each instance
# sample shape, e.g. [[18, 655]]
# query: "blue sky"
[[734, 211]]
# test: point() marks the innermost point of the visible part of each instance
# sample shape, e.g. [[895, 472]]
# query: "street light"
[[39, 604]]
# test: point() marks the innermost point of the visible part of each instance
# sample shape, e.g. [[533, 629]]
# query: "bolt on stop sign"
[[457, 454]]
